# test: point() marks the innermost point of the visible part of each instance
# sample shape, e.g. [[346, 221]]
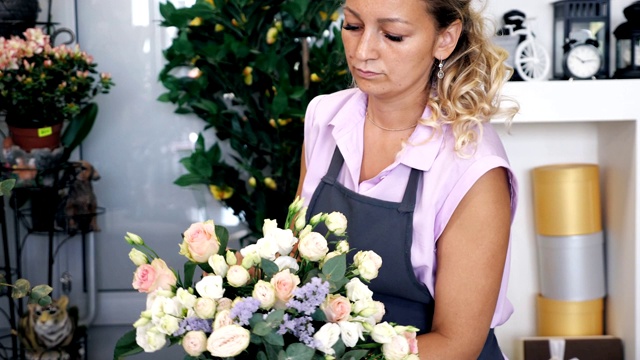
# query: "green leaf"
[[6, 186], [190, 179], [126, 346], [20, 288], [335, 268], [300, 351], [274, 338], [78, 128], [43, 301], [189, 270], [223, 236], [40, 291], [261, 328], [166, 97], [269, 267], [354, 355]]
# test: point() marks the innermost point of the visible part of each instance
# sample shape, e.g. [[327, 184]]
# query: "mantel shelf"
[[575, 101]]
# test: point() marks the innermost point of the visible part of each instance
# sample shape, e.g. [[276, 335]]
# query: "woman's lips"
[[366, 73]]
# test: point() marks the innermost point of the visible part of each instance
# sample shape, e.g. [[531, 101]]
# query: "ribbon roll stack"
[[570, 250]]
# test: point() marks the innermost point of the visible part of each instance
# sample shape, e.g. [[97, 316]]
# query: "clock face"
[[583, 61]]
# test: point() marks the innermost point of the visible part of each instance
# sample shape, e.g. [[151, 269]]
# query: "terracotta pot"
[[28, 138]]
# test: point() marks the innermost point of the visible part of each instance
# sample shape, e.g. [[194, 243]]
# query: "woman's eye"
[[350, 27], [394, 37]]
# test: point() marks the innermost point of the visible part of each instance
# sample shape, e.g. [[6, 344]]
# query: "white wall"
[[137, 142]]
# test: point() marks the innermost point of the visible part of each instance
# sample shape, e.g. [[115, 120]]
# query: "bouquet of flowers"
[[286, 296]]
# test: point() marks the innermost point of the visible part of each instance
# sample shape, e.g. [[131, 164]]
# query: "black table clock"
[[574, 55]]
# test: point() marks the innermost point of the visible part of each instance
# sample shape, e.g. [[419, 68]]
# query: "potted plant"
[[248, 69], [46, 89]]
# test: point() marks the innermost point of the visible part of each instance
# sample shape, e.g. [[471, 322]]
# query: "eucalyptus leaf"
[[335, 268], [299, 351]]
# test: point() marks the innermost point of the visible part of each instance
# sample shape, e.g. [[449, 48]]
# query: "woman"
[[410, 158]]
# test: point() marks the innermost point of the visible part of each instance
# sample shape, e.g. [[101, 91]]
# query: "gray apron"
[[386, 227]]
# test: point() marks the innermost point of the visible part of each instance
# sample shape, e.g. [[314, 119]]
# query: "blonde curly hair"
[[469, 94]]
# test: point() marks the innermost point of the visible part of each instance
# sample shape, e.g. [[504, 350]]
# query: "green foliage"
[[253, 66]]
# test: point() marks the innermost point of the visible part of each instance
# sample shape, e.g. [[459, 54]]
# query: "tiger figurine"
[[45, 331]]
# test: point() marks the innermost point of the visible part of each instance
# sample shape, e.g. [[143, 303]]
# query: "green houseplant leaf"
[[78, 129]]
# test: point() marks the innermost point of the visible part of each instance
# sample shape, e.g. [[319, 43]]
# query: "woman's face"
[[389, 45]]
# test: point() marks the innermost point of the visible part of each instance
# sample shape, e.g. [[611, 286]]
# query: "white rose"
[[219, 264], [287, 262], [313, 247], [205, 308], [248, 250], [228, 341], [168, 324], [237, 276], [151, 297], [336, 222], [301, 220], [364, 307], [186, 298], [342, 246], [284, 239], [149, 338], [210, 286], [222, 319], [367, 322], [138, 257], [267, 248], [264, 292], [356, 290], [326, 337], [396, 349], [224, 304], [165, 306], [194, 343], [368, 264], [350, 332], [268, 226], [380, 311], [383, 333], [251, 260]]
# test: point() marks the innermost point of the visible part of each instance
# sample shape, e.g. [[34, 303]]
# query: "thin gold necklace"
[[366, 116]]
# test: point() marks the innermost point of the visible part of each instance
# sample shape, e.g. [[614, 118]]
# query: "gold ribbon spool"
[[567, 199], [570, 318]]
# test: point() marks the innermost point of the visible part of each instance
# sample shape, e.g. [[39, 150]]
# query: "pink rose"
[[413, 342], [200, 242], [284, 283], [157, 275], [336, 308]]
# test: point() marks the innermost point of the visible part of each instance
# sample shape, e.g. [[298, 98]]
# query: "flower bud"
[[133, 239], [231, 258], [270, 183], [138, 257]]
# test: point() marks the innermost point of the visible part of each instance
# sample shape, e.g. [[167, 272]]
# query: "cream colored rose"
[[350, 332], [265, 293], [368, 264], [284, 283], [356, 290], [237, 276], [383, 333], [380, 311], [210, 286], [336, 308], [194, 343], [224, 304], [138, 257], [222, 319], [205, 308], [200, 242], [267, 248], [219, 264], [336, 222], [342, 246], [228, 341], [396, 349], [168, 324], [313, 247]]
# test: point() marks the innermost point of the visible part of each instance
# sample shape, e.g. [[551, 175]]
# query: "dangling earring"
[[440, 72]]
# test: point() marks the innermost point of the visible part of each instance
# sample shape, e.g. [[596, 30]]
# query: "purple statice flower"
[[193, 324], [244, 309], [307, 298], [300, 327]]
